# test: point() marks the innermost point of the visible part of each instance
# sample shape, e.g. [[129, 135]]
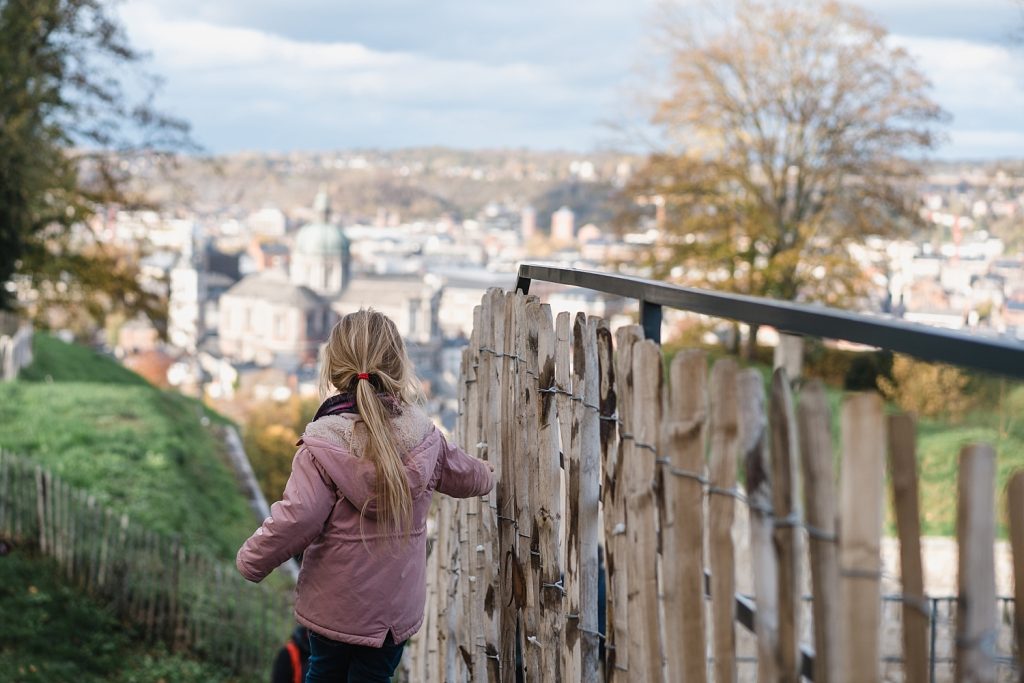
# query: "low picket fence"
[[168, 593]]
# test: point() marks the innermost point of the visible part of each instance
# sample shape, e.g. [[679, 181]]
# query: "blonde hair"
[[368, 342]]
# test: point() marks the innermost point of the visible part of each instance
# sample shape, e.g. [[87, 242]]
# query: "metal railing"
[[927, 343]]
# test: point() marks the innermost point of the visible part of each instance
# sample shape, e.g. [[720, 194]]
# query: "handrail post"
[[523, 284], [650, 319]]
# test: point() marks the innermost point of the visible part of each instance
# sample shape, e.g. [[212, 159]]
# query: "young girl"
[[356, 505]]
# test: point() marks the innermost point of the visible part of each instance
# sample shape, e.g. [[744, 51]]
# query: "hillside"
[[51, 632], [136, 448]]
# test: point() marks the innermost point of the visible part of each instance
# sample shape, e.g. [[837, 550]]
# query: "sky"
[[546, 74]]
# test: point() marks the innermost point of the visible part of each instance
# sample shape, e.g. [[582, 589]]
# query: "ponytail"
[[394, 499]]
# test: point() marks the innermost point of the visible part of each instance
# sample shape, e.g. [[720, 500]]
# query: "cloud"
[[985, 21], [348, 93], [542, 73], [981, 85]]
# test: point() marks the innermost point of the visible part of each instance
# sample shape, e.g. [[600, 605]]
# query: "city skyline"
[[321, 75]]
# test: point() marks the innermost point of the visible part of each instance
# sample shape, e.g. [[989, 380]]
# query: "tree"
[[791, 130], [67, 124]]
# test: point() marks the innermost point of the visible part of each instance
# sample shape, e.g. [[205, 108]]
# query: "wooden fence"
[[605, 454], [188, 600]]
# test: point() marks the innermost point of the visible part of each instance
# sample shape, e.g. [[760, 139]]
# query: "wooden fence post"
[[41, 496], [548, 505], [682, 519], [585, 353], [916, 613], [477, 511], [1015, 516], [527, 485], [493, 322], [819, 493], [976, 606], [721, 512], [575, 561], [507, 535], [789, 354], [563, 380], [611, 495], [785, 485], [861, 498], [645, 652], [754, 446], [617, 666]]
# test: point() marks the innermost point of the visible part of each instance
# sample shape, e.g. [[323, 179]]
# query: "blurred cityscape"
[[259, 254]]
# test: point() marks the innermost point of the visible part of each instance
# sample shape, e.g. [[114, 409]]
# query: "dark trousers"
[[331, 661]]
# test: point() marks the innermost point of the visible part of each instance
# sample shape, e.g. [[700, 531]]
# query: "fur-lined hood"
[[338, 445]]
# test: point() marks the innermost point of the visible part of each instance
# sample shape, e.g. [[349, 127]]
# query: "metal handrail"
[[927, 343]]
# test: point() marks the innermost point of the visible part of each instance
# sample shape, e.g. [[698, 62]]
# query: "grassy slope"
[[136, 448], [51, 632]]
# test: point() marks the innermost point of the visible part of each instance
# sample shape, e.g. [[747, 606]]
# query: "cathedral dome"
[[320, 238]]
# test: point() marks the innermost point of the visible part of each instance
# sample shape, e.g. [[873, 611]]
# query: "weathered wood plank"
[[861, 496], [976, 608], [507, 535], [585, 357], [547, 509], [785, 501], [563, 380], [682, 520], [611, 498], [493, 323], [617, 666], [754, 446], [820, 497], [645, 651], [528, 426], [721, 513], [573, 548], [903, 469]]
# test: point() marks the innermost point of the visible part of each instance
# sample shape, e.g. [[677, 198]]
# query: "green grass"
[[52, 632], [55, 361], [136, 448]]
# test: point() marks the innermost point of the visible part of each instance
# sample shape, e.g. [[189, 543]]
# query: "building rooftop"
[[274, 288]]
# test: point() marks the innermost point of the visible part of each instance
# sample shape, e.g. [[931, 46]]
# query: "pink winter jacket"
[[354, 586]]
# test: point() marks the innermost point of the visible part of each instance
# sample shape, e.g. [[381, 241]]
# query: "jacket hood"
[[338, 443]]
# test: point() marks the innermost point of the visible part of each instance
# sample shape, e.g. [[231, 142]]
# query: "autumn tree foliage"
[[791, 131], [76, 109]]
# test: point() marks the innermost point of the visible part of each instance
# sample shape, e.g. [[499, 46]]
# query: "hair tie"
[[363, 375]]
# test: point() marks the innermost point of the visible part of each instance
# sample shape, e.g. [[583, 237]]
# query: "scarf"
[[346, 403]]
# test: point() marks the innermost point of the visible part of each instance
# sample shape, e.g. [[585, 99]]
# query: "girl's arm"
[[293, 523], [462, 476]]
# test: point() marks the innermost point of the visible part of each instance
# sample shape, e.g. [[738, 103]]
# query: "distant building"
[[268, 320], [269, 221], [528, 222], [589, 233], [186, 297], [563, 226], [411, 301]]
